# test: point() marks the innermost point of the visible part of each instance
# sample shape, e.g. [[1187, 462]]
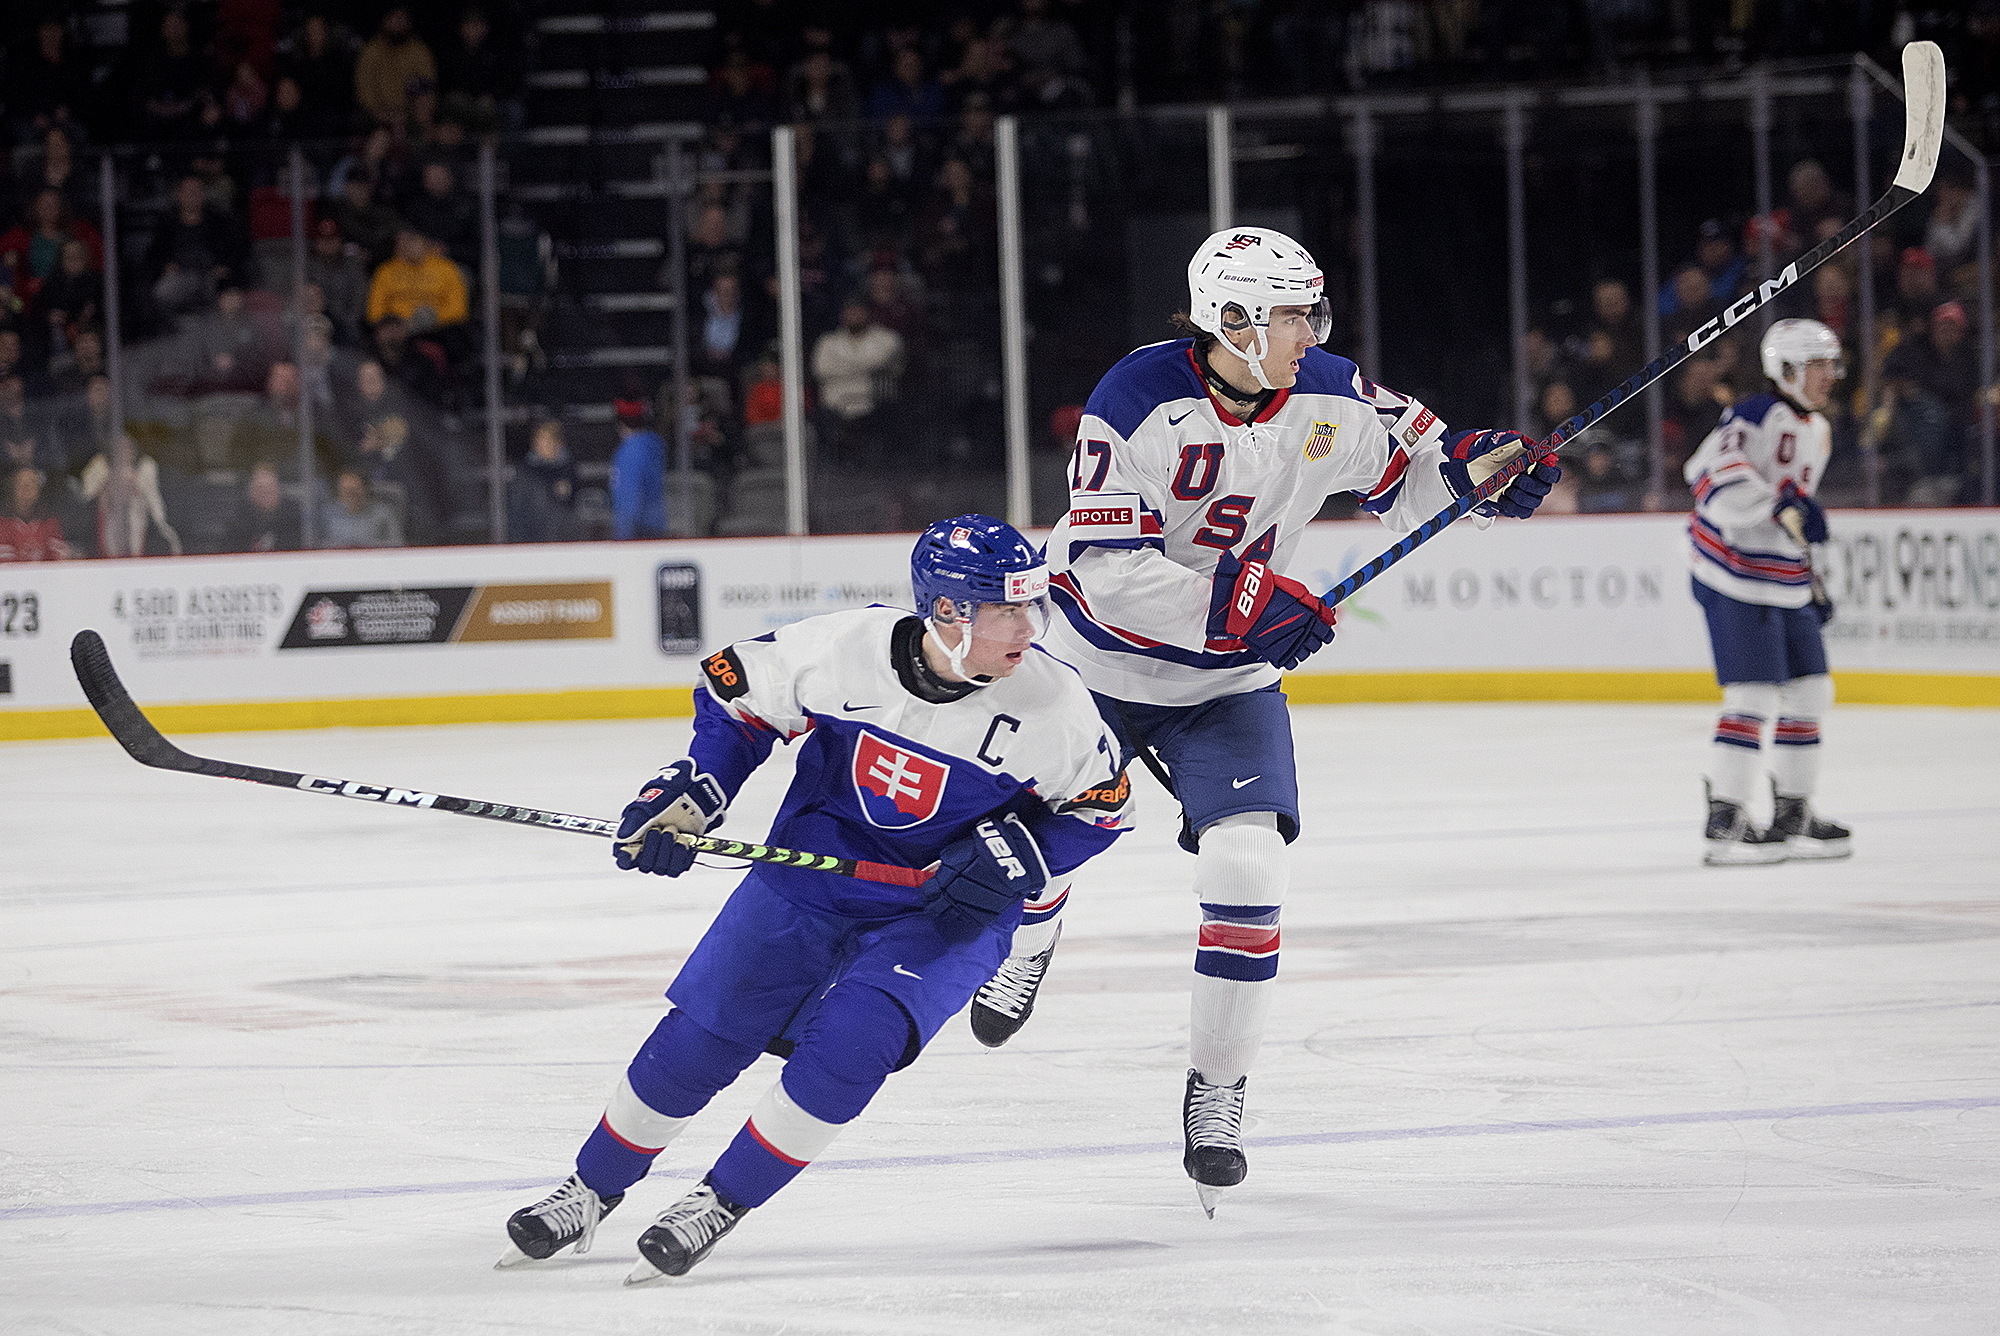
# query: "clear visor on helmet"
[[1287, 322], [998, 624]]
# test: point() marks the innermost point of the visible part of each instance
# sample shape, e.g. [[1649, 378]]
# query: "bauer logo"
[[896, 788]]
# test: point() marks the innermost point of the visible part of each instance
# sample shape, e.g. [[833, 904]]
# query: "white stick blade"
[[1923, 111]]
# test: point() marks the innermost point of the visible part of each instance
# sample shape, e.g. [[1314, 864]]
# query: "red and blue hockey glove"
[[1802, 517], [1471, 457], [679, 798], [983, 875], [1277, 617]]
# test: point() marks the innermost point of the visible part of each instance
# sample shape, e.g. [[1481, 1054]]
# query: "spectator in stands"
[[1917, 285], [1612, 313], [477, 77], [418, 285], [12, 363], [720, 350], [26, 438], [86, 362], [176, 103], [638, 475], [1718, 261], [889, 305], [394, 59], [443, 212], [1696, 396], [86, 428], [418, 365], [364, 219], [336, 267], [821, 88], [269, 432], [1603, 485], [48, 84], [244, 100], [68, 301], [55, 169], [1813, 201], [1934, 379], [541, 496], [909, 91], [884, 212], [975, 136], [320, 59], [33, 250], [741, 90], [31, 526], [1049, 57], [226, 348], [1952, 235], [358, 518], [1691, 302], [957, 239], [1556, 405], [911, 166], [1833, 289], [857, 367], [131, 516], [195, 251], [981, 70], [264, 520]]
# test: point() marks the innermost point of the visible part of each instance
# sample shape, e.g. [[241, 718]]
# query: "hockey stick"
[[1923, 136], [137, 735]]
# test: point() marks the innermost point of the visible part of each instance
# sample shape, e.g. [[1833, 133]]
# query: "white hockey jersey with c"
[[1166, 480], [1735, 547]]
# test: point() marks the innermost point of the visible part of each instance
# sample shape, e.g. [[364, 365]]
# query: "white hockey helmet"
[[1790, 344], [1239, 275]]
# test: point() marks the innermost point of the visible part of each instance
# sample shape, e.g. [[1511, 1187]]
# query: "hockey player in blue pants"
[[1198, 463], [948, 741]]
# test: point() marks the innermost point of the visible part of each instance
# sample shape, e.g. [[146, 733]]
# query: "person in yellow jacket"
[[392, 60], [419, 285]]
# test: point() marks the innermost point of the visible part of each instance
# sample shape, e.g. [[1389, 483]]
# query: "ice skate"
[[1731, 840], [567, 1215], [1004, 1002], [684, 1233], [1805, 834], [1212, 1121]]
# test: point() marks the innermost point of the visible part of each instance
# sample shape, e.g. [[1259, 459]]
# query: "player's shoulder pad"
[[1143, 379], [1753, 410], [1322, 372]]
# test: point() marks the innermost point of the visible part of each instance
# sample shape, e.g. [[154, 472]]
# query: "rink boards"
[[1565, 608]]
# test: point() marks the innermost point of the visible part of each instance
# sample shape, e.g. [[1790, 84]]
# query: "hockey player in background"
[[1750, 548], [946, 741], [1198, 463]]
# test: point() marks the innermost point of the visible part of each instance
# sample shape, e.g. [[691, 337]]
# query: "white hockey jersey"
[[887, 776], [1735, 547], [1166, 480]]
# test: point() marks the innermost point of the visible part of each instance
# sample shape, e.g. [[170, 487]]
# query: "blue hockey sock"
[[675, 1073]]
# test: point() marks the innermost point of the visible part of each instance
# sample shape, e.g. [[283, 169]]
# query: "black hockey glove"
[[678, 798], [982, 876], [1277, 617], [1471, 457]]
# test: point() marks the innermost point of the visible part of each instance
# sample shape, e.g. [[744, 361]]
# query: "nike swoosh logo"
[[850, 705], [1239, 783], [1176, 421], [908, 973]]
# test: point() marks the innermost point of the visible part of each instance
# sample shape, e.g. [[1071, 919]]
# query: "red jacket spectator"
[[34, 249]]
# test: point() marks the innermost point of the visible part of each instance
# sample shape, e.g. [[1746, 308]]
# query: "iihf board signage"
[[442, 614], [678, 584]]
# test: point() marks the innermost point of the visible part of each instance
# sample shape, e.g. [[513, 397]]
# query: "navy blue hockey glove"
[[1277, 617], [981, 876], [679, 798], [1471, 457], [1802, 517]]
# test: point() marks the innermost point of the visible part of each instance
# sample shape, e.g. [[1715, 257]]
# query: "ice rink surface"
[[271, 1063]]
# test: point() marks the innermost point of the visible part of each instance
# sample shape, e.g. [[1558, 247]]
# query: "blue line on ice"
[[1038, 1153]]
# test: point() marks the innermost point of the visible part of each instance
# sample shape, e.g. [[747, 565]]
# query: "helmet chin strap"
[[954, 655], [1262, 349]]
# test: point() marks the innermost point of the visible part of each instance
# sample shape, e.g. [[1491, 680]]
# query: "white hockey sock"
[[1802, 703], [1240, 878], [1040, 918], [1736, 758], [637, 1125]]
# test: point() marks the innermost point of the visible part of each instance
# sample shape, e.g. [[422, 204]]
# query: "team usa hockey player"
[[1198, 463], [1750, 547], [946, 740]]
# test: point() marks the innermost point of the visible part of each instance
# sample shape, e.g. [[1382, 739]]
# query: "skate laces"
[[1010, 990], [697, 1219], [572, 1208], [1215, 1114]]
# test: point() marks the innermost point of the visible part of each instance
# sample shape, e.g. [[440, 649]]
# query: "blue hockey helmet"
[[975, 559]]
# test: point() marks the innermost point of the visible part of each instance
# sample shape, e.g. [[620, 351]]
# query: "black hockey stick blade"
[[148, 746], [1923, 139]]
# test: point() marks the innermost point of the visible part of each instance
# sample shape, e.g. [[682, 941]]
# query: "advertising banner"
[[1570, 605]]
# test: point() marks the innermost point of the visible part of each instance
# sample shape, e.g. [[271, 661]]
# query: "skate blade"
[[1211, 1197], [1809, 850], [512, 1258], [1734, 855], [645, 1273]]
